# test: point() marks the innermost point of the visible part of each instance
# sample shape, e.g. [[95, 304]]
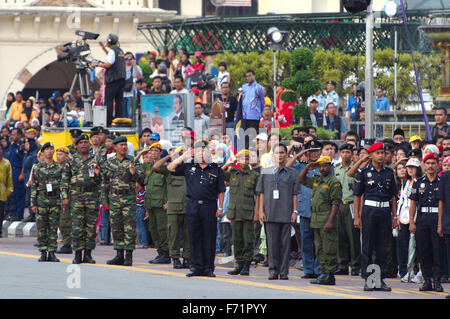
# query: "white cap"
[[413, 162], [433, 148], [166, 144], [262, 136]]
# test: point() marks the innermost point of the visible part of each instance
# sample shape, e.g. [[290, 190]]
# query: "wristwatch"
[[296, 211], [220, 208]]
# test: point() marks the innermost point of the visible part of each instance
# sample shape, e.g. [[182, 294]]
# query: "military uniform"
[[75, 133], [326, 191], [349, 244], [65, 226], [241, 210], [119, 194], [425, 193], [81, 186], [332, 97], [72, 149], [155, 198], [45, 194], [176, 217]]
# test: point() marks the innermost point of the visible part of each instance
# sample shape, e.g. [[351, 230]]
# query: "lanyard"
[[279, 177]]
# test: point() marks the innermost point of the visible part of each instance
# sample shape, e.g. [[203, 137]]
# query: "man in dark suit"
[[178, 109]]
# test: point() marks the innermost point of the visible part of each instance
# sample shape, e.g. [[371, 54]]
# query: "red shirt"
[[284, 108]]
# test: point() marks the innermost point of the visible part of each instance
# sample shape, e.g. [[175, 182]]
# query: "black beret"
[[331, 82], [46, 145], [313, 144], [99, 129], [76, 132], [81, 138], [120, 139], [415, 152], [94, 133], [111, 137], [347, 146]]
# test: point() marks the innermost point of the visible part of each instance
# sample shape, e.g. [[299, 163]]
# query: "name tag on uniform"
[[49, 188], [91, 172], [276, 194]]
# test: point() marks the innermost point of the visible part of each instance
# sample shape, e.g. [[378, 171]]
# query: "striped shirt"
[[140, 197]]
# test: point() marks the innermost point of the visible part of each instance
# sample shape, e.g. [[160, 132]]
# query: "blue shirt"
[[305, 195], [381, 104], [352, 105], [333, 97], [252, 101], [16, 155]]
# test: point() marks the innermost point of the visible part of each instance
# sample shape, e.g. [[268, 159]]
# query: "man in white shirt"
[[178, 86]]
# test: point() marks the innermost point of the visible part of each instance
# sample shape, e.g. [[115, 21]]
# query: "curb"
[[19, 229]]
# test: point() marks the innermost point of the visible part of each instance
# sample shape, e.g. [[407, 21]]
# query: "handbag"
[[129, 82]]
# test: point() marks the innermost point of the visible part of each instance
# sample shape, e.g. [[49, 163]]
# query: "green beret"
[[76, 132], [81, 138], [120, 139], [347, 146], [46, 145]]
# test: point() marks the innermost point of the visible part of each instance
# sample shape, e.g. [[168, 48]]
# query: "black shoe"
[[210, 274], [87, 258], [177, 263], [309, 276], [152, 261], [51, 257], [164, 259], [128, 258], [30, 219], [194, 274], [284, 277], [186, 263], [355, 272], [64, 250], [342, 271], [118, 260], [43, 256], [236, 270], [36, 244], [427, 286], [437, 285], [245, 270], [383, 287], [78, 257], [328, 280], [273, 277], [316, 281]]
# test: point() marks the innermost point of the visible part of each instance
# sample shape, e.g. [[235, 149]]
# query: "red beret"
[[441, 148], [189, 134], [375, 147], [432, 156]]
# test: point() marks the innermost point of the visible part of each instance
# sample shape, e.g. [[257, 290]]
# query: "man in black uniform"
[[204, 182], [114, 77], [424, 197], [376, 182], [444, 213]]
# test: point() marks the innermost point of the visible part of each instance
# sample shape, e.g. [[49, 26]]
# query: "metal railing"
[[386, 129]]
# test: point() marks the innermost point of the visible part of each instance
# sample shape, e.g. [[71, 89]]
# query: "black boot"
[[30, 219], [51, 257], [164, 259], [316, 281], [437, 285], [245, 270], [43, 256], [236, 270], [186, 263], [64, 250], [177, 263], [118, 260], [152, 261], [128, 258], [383, 287], [427, 286], [77, 258], [328, 280], [87, 258]]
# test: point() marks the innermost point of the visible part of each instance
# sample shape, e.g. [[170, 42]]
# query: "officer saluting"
[[424, 196], [376, 182], [204, 182]]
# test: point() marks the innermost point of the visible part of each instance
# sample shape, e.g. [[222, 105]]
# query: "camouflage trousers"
[[65, 226], [47, 225], [123, 221], [84, 213], [326, 244]]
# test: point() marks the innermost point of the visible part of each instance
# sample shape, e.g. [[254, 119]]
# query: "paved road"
[[22, 276]]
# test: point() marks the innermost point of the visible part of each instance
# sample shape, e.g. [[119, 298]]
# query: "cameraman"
[[114, 77]]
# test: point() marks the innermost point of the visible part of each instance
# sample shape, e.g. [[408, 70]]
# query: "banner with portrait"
[[165, 114]]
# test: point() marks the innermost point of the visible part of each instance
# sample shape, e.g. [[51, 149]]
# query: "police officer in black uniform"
[[204, 182], [114, 77], [424, 197], [376, 182]]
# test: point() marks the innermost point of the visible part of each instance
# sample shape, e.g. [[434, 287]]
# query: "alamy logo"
[[374, 280], [74, 279]]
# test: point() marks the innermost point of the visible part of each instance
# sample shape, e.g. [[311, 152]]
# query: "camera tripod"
[[83, 78]]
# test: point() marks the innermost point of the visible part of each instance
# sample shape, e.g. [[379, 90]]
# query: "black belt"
[[201, 201], [83, 188], [121, 192]]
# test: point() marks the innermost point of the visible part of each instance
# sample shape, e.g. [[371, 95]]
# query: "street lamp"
[[278, 40]]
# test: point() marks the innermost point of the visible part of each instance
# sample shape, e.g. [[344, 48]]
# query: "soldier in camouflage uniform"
[[65, 220], [176, 212], [119, 195], [326, 198], [156, 205], [74, 134], [102, 150], [45, 202], [241, 211], [80, 186]]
